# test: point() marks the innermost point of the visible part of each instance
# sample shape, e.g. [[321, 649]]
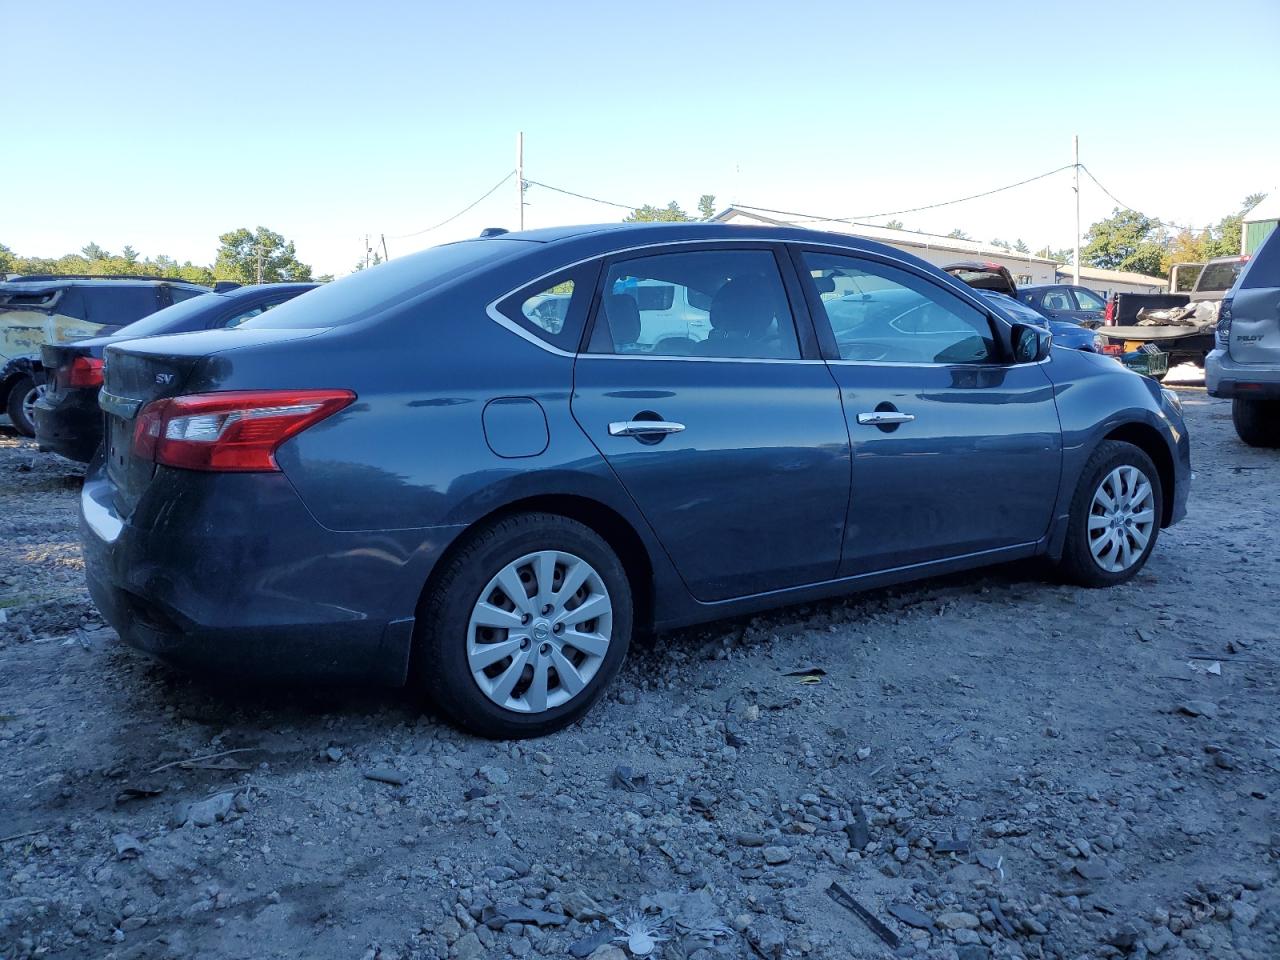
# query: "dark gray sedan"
[[421, 474]]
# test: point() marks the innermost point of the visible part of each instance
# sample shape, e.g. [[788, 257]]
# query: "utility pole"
[[520, 177], [367, 248], [1075, 263]]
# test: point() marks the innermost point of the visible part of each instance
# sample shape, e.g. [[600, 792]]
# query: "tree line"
[[244, 256]]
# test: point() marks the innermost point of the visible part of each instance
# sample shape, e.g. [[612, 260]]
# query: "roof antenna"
[[493, 232]]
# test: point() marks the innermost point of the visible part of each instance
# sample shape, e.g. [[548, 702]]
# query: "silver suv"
[[1245, 363]]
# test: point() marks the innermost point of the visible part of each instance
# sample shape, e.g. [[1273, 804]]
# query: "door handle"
[[643, 428], [882, 417]]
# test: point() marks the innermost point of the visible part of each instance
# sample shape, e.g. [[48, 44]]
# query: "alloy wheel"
[[539, 631], [29, 401], [1121, 519]]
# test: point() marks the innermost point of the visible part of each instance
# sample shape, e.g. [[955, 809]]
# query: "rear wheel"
[[22, 405], [1257, 421], [1115, 517], [524, 627]]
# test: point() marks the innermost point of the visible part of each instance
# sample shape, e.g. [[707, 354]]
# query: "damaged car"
[[412, 475], [35, 310]]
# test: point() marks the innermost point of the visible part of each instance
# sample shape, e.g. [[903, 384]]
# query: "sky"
[[163, 125]]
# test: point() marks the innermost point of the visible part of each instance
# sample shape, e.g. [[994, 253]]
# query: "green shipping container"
[[1255, 233]]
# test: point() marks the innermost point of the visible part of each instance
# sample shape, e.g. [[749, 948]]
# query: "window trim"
[[806, 342], [786, 249], [506, 309], [1000, 330]]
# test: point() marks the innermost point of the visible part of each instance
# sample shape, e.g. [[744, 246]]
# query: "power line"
[[892, 213], [488, 193], [1125, 206], [581, 196]]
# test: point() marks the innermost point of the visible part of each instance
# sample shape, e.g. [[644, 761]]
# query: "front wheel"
[[524, 627], [1115, 517], [23, 395], [1257, 421]]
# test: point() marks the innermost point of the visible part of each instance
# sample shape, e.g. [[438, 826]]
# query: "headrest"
[[744, 307], [623, 314]]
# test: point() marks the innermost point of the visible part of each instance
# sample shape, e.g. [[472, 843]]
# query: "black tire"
[[18, 391], [1257, 421], [1077, 564], [440, 669]]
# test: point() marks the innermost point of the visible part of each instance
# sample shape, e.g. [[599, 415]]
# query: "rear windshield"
[[367, 293], [1264, 268], [1219, 276], [173, 319]]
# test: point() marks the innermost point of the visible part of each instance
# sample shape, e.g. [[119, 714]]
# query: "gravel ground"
[[991, 765]]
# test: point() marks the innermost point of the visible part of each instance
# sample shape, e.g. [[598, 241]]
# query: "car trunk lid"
[[139, 372]]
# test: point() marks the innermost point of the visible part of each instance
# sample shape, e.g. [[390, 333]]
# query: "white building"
[[1026, 269]]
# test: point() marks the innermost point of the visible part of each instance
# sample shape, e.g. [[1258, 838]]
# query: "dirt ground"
[[992, 766]]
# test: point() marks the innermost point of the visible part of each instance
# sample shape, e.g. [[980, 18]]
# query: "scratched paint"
[[23, 331]]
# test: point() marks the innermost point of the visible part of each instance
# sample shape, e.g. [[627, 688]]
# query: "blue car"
[[416, 475]]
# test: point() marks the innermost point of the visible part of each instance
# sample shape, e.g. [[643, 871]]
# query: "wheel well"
[[1148, 440], [604, 521]]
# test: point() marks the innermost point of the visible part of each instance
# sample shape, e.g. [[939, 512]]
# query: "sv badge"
[[164, 378]]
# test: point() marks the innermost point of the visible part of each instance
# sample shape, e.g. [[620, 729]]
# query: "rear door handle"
[[643, 428], [882, 417]]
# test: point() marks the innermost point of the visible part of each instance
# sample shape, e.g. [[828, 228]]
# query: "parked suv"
[[1245, 362], [35, 310], [67, 417], [412, 474]]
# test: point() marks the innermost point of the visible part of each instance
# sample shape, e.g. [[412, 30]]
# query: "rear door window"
[[698, 303], [1058, 299]]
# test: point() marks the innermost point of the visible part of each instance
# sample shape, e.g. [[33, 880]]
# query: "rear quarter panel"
[[23, 332]]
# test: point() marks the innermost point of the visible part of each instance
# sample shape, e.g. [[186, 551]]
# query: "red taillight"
[[238, 430], [1113, 350], [1109, 315], [84, 372]]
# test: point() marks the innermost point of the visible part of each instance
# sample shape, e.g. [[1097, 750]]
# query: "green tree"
[[91, 251], [707, 205], [1020, 246], [244, 251], [8, 262], [894, 225], [1061, 256], [958, 234], [1225, 238], [1003, 245], [373, 261], [1127, 240], [671, 213]]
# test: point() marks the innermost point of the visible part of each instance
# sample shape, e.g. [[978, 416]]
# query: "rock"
[[1124, 937], [470, 948], [127, 846], [385, 775], [1092, 870], [1198, 708], [957, 920], [205, 813], [768, 937], [608, 952], [1159, 942], [750, 839], [520, 947], [775, 855], [864, 753], [450, 929], [590, 944], [580, 906], [910, 916], [332, 754], [495, 775], [973, 951]]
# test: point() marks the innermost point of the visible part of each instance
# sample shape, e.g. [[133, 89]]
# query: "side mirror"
[[1030, 344]]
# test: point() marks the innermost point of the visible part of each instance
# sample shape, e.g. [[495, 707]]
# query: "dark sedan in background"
[[67, 418], [1064, 301], [413, 475], [995, 282]]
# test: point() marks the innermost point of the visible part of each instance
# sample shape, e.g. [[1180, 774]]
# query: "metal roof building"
[[1259, 222]]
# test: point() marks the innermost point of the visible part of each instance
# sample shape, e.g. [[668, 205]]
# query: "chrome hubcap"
[[1121, 519], [539, 631]]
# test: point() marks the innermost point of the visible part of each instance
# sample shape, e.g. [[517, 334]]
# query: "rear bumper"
[[69, 424], [229, 574], [1223, 377]]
